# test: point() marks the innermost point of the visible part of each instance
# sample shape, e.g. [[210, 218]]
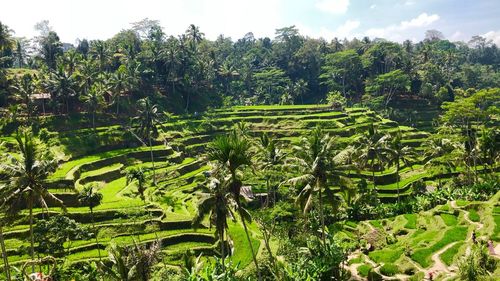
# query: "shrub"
[[389, 269]]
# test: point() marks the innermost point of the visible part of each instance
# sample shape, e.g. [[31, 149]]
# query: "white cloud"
[[333, 6], [409, 3], [457, 36], [493, 36], [393, 32], [373, 6], [343, 31]]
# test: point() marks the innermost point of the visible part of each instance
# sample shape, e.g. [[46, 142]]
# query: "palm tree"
[[399, 153], [217, 204], [27, 173], [231, 153], [146, 122], [119, 84], [7, 212], [62, 85], [137, 174], [319, 165], [25, 88], [270, 157], [194, 34], [440, 154], [94, 99], [88, 197], [371, 151], [5, 37], [99, 51]]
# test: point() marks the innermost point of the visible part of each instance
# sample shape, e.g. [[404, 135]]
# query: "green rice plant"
[[386, 255], [364, 269], [411, 221], [449, 220], [474, 216], [448, 255], [422, 256], [389, 269]]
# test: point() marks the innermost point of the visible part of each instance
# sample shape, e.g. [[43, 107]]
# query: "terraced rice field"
[[180, 169]]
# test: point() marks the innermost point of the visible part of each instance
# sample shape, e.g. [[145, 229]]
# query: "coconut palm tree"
[[146, 125], [231, 153], [371, 151], [25, 88], [269, 158], [441, 155], [119, 84], [137, 174], [89, 197], [399, 153], [7, 212], [217, 203], [94, 100], [319, 165], [27, 173], [61, 85]]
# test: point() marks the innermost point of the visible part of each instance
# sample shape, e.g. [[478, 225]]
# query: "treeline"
[[188, 73]]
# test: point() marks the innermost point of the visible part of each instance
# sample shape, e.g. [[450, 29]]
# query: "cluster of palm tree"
[[321, 164]]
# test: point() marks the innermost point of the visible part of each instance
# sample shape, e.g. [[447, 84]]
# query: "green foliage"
[[411, 221], [50, 235], [449, 220], [364, 269], [389, 269]]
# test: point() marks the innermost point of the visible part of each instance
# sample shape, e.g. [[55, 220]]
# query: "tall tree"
[[91, 198], [231, 153], [146, 123], [94, 100], [27, 173], [400, 153], [217, 203]]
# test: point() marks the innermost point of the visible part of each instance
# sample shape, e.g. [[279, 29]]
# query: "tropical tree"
[[119, 84], [7, 212], [146, 125], [319, 165], [61, 85], [231, 153], [25, 88], [89, 197], [371, 151], [270, 157], [217, 203], [399, 153], [27, 173], [94, 100], [440, 154], [137, 174]]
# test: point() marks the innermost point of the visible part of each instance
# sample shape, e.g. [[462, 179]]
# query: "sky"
[[395, 20]]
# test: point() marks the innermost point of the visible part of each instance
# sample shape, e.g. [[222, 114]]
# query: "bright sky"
[[392, 19]]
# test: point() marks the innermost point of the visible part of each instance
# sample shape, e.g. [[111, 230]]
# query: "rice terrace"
[[155, 155]]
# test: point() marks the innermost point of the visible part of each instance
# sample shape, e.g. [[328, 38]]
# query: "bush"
[[389, 269]]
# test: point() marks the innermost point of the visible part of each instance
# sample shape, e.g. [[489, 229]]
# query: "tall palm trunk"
[[95, 231], [152, 159], [4, 255], [222, 249], [397, 178], [321, 213], [250, 244], [32, 241]]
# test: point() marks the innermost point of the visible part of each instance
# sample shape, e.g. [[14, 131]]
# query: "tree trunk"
[[321, 214], [95, 232], [32, 241], [397, 178], [152, 159], [93, 120], [250, 244], [118, 105], [373, 177], [222, 250], [4, 255]]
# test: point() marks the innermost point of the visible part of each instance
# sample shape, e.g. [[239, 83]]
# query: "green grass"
[[386, 255], [242, 253], [389, 269], [411, 221], [448, 255], [364, 269], [449, 220], [422, 256], [474, 216]]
